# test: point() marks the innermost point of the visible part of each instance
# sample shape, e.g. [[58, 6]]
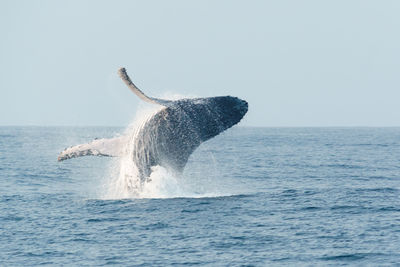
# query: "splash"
[[125, 181], [162, 183]]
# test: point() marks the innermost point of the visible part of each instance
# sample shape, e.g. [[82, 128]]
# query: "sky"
[[297, 63]]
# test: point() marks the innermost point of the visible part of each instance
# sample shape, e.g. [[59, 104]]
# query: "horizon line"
[[237, 126]]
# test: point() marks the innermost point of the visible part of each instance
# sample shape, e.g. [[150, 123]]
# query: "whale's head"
[[208, 117], [227, 110]]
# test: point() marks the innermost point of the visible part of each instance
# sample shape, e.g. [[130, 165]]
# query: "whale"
[[170, 135]]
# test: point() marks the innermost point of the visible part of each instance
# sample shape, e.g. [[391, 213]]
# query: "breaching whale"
[[171, 135]]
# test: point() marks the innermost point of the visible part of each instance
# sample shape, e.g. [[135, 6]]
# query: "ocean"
[[248, 197]]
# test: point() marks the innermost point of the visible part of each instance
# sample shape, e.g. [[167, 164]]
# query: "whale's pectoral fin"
[[124, 76], [100, 147]]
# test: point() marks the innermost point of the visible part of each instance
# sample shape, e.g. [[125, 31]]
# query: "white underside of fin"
[[99, 147], [110, 147]]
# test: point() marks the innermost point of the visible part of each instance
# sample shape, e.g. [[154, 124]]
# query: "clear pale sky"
[[297, 63]]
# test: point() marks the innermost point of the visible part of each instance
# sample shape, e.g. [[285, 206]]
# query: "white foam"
[[162, 183]]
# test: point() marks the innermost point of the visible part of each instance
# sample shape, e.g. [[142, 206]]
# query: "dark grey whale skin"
[[170, 136]]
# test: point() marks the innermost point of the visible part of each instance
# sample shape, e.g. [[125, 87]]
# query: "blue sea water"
[[249, 197]]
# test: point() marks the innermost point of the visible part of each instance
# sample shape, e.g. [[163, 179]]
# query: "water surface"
[[251, 196]]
